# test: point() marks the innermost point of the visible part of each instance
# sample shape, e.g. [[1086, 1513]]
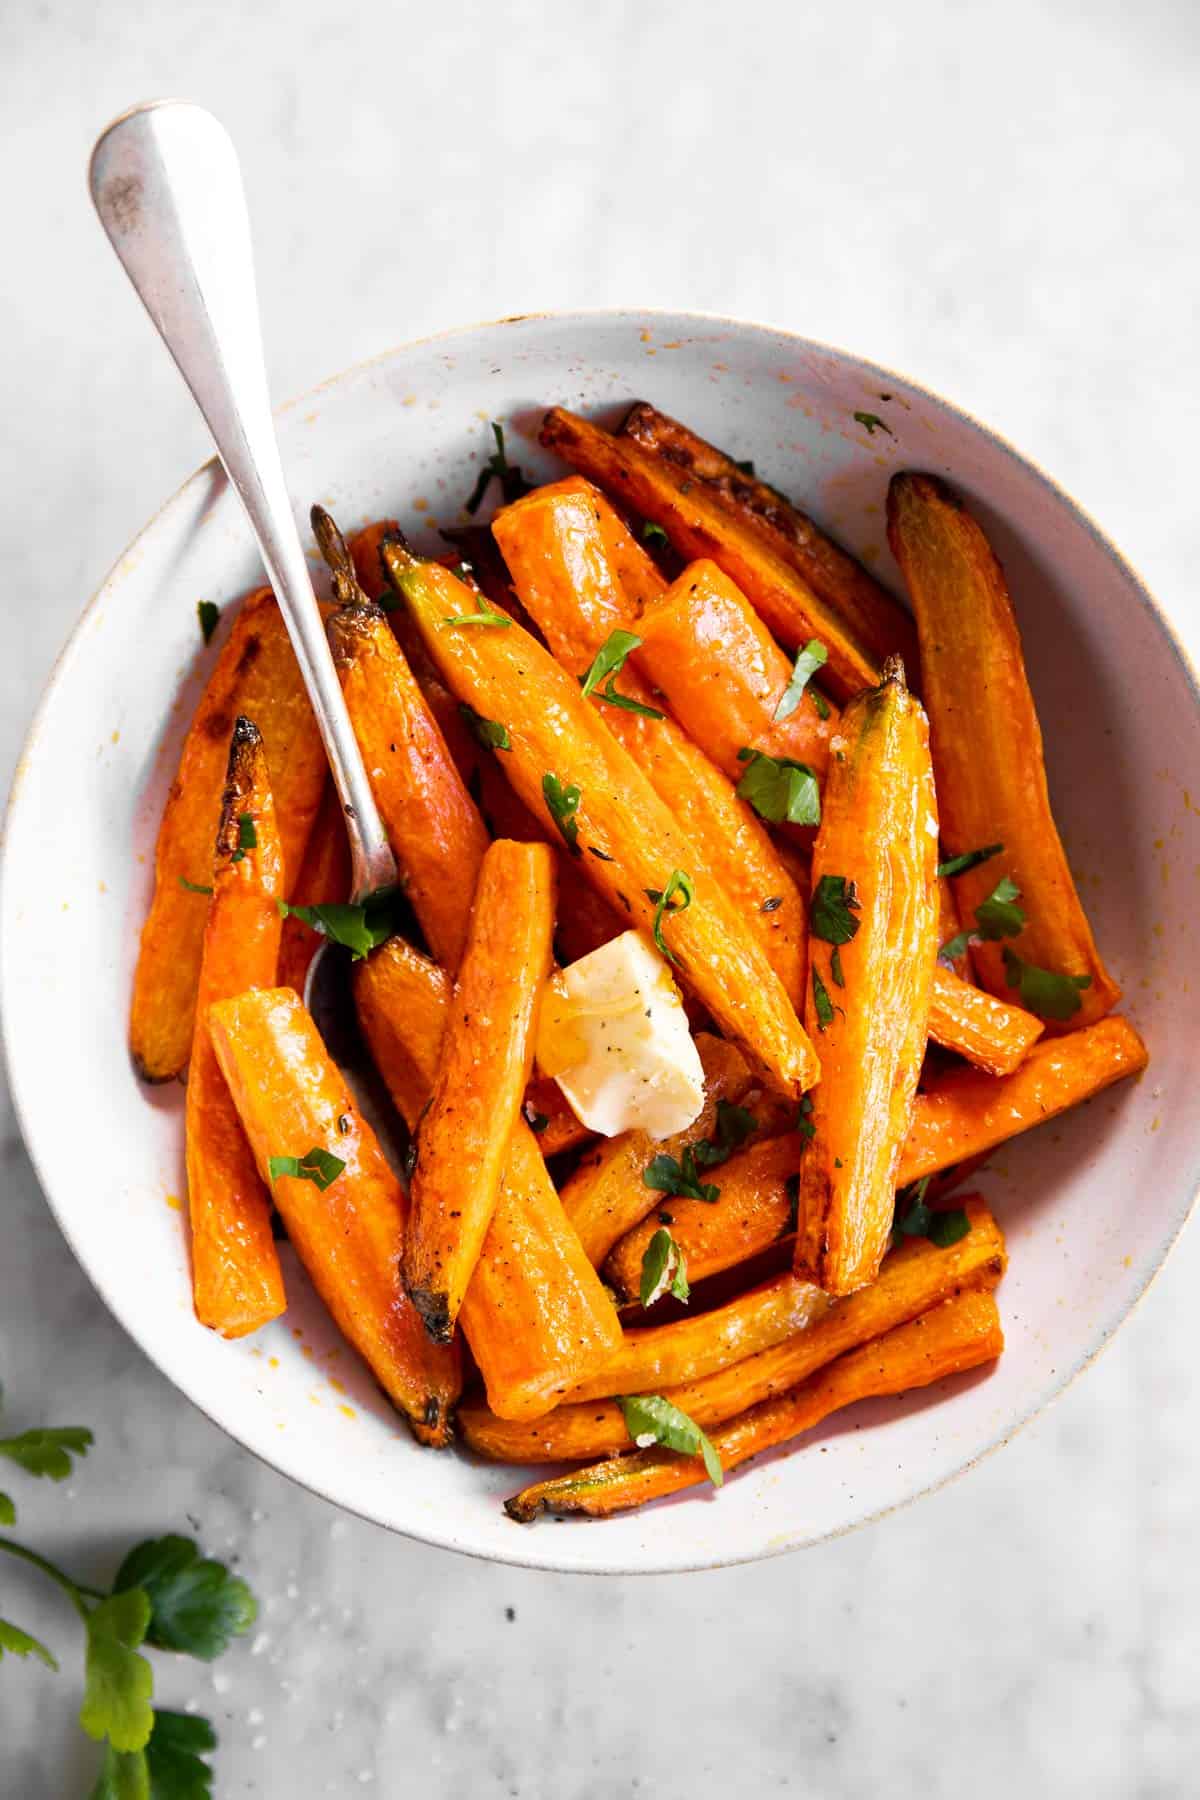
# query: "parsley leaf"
[[665, 902], [649, 1419], [484, 614], [970, 859], [360, 929], [824, 1005], [734, 1126], [813, 657], [562, 802], [835, 966], [834, 904], [177, 1744], [779, 789], [193, 887], [1043, 992], [914, 1218], [48, 1451], [998, 916], [197, 1606], [873, 423], [119, 1682], [667, 1176], [490, 733], [8, 1512], [20, 1643], [208, 613], [319, 1166], [946, 1228], [513, 484], [804, 1124], [820, 702], [652, 534], [610, 660], [663, 1269]]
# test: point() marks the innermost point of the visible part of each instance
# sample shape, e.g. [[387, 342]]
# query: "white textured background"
[[999, 200]]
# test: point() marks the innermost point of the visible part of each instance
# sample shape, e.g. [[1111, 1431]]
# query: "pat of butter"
[[615, 1037]]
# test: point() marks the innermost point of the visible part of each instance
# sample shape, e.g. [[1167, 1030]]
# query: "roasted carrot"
[[873, 942], [963, 1112], [257, 675], [557, 553], [535, 1314], [914, 1277], [878, 620], [754, 1208], [570, 770], [346, 1219], [485, 1062], [432, 823], [699, 526], [606, 1195], [960, 1334], [725, 676], [987, 751], [324, 877], [237, 1284], [960, 1116], [991, 1033]]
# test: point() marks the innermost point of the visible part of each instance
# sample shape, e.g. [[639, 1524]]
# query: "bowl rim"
[[1108, 1328]]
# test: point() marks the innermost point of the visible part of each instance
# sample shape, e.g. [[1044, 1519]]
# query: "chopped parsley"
[[650, 1419], [193, 887], [484, 614], [319, 1166], [360, 929], [873, 423], [666, 1175], [835, 966], [996, 917], [804, 1124], [208, 612], [562, 803], [914, 1218], [734, 1126], [247, 836], [822, 1002], [489, 733], [665, 902], [608, 661], [813, 657], [834, 904], [654, 534], [1043, 992], [664, 1270], [780, 790], [970, 859], [513, 484]]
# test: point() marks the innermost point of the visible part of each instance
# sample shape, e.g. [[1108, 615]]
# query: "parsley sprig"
[[513, 485], [1043, 992], [608, 661], [670, 1175], [166, 1596], [998, 916]]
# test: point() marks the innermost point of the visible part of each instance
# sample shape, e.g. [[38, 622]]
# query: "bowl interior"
[[1090, 1204]]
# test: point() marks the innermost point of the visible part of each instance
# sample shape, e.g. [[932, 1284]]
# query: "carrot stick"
[[987, 750], [916, 1276], [569, 769], [535, 1314], [256, 674], [699, 526], [872, 948], [606, 1196], [324, 877], [557, 553], [959, 1334], [725, 676], [237, 1284], [486, 1058], [991, 1033], [293, 1100], [877, 619]]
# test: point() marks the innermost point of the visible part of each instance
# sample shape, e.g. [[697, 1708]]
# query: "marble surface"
[[1002, 204]]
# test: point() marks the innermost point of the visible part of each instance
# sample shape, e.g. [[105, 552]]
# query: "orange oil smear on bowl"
[[175, 1203]]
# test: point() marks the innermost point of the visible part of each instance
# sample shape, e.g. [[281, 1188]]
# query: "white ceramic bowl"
[[1090, 1204]]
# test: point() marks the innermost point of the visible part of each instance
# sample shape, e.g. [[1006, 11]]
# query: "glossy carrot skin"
[[878, 836], [705, 646], [535, 1314], [963, 1113], [989, 1032], [699, 526], [291, 1098], [605, 1196], [960, 1334], [878, 620], [915, 1277], [256, 674], [483, 1069], [432, 823], [558, 555], [237, 1284], [324, 877], [627, 841], [987, 743]]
